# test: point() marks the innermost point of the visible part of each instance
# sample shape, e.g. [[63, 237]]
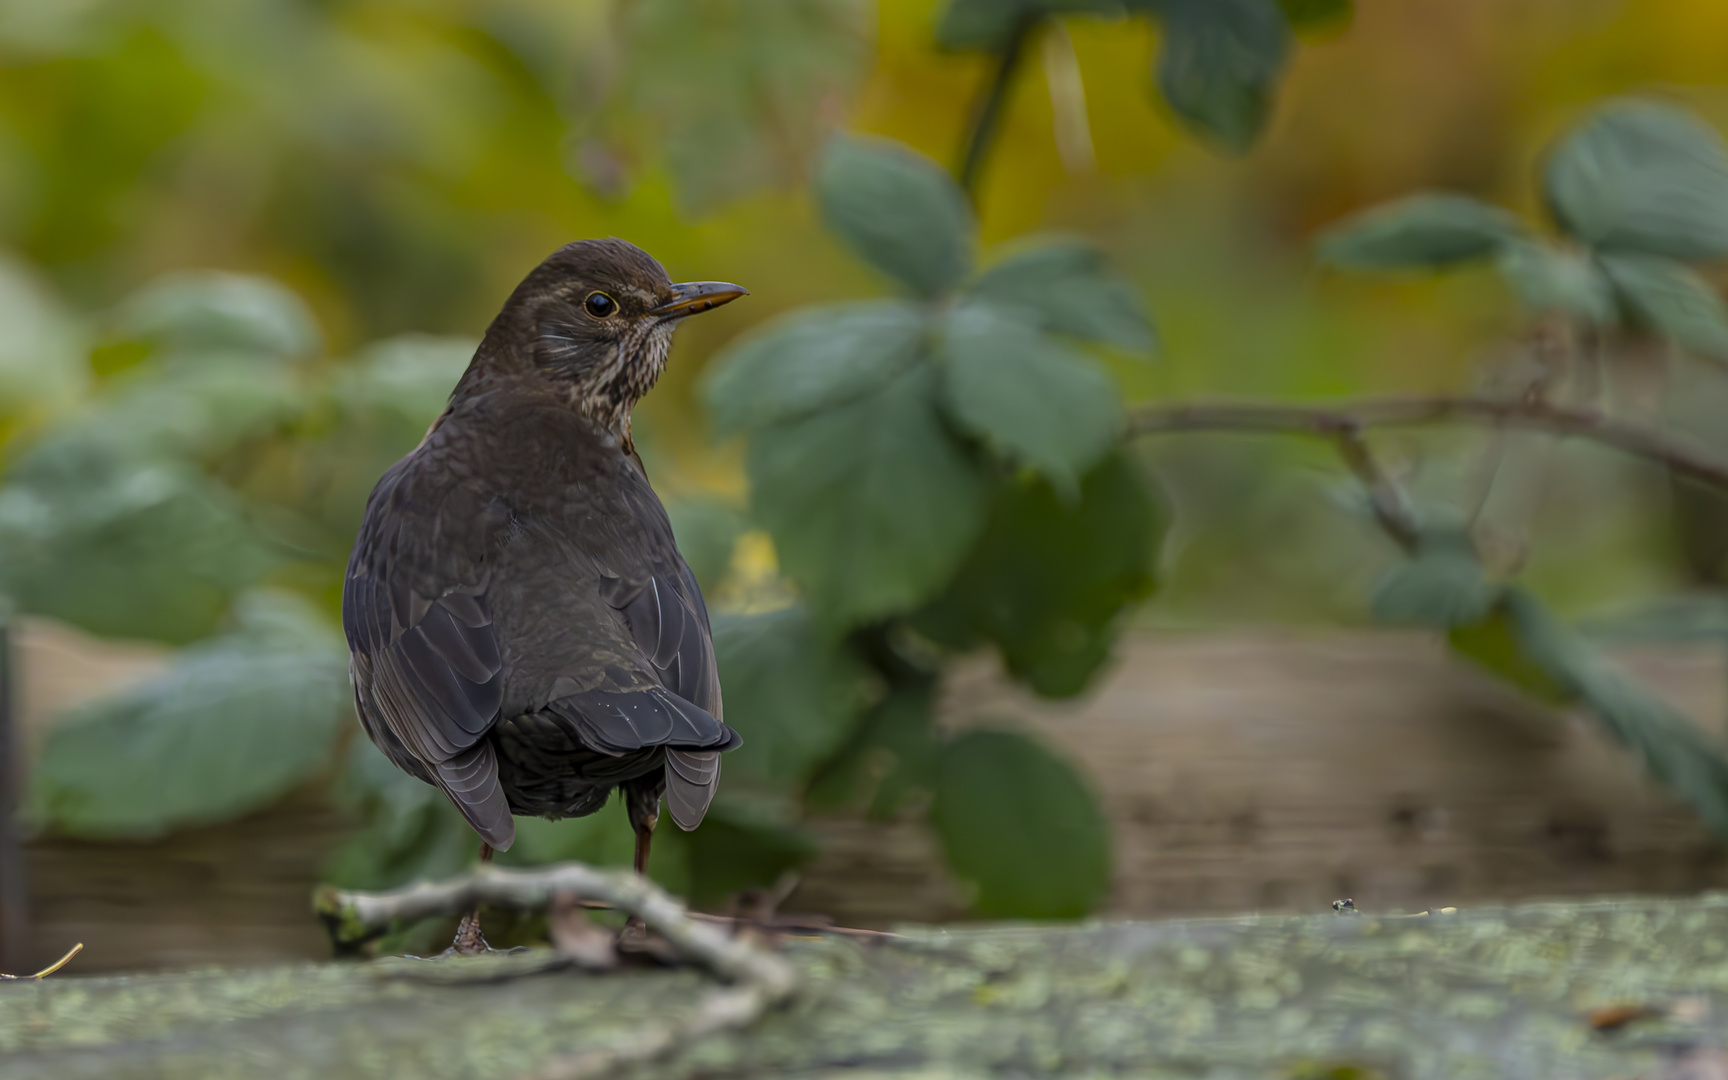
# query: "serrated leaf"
[[214, 311], [1220, 63], [232, 725], [1051, 579], [1066, 288], [1026, 394], [740, 91], [1426, 230], [791, 691], [871, 504], [898, 211], [989, 24], [1642, 176], [1442, 586], [1548, 278], [816, 359], [1665, 296], [1021, 827], [1307, 15], [1675, 751]]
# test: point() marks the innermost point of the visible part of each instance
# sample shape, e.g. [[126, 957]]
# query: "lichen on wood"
[[1606, 989]]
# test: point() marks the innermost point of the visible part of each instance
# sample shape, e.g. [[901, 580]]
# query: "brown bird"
[[523, 632]]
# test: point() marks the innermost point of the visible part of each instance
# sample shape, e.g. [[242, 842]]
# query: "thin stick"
[[760, 979], [1328, 421], [1391, 508], [987, 113]]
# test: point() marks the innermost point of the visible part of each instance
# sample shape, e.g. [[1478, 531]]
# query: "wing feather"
[[429, 671]]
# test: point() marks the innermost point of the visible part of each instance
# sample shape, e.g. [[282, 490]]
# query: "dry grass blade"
[[51, 968]]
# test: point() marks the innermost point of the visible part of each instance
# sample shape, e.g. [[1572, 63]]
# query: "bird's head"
[[595, 321]]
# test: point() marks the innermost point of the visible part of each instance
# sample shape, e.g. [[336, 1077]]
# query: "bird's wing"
[[647, 676], [669, 622], [427, 666]]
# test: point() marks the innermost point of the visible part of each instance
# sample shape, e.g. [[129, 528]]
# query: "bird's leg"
[[469, 941], [642, 805], [644, 837]]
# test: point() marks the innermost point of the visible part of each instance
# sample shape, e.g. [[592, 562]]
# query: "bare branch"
[[1391, 508], [1332, 421], [760, 979]]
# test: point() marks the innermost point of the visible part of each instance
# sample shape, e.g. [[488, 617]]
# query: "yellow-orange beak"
[[694, 297]]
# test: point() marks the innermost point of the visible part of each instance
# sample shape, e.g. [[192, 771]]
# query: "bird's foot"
[[469, 940]]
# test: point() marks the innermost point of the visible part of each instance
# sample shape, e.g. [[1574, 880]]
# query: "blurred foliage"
[[930, 442]]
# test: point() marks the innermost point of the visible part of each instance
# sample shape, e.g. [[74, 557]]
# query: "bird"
[[523, 633]]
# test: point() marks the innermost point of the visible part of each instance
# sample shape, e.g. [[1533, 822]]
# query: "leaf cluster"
[[1638, 192], [938, 471], [1506, 630]]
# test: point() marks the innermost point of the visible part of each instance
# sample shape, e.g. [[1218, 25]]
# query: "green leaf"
[[988, 25], [1051, 579], [1425, 230], [604, 838], [1026, 394], [707, 531], [1305, 15], [1675, 751], [234, 724], [193, 411], [1020, 826], [890, 761], [871, 504], [43, 354], [898, 211], [1066, 288], [743, 844], [1494, 645], [125, 549], [411, 832], [213, 311], [407, 378], [1219, 64], [816, 359], [1548, 278], [1442, 586], [790, 691], [1689, 617], [1665, 296], [739, 92], [1642, 176]]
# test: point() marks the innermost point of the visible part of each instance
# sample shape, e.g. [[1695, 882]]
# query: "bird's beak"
[[693, 297]]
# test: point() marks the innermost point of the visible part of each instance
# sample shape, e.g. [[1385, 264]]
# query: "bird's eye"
[[600, 305]]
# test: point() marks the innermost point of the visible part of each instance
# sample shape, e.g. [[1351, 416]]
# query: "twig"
[[987, 113], [761, 980], [1391, 509], [1329, 421]]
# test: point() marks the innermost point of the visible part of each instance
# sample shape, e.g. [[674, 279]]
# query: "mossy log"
[[1607, 989]]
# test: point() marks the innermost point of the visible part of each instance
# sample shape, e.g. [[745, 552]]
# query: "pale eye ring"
[[600, 305]]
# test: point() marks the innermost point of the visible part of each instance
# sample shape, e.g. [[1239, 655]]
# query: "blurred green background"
[[247, 245]]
